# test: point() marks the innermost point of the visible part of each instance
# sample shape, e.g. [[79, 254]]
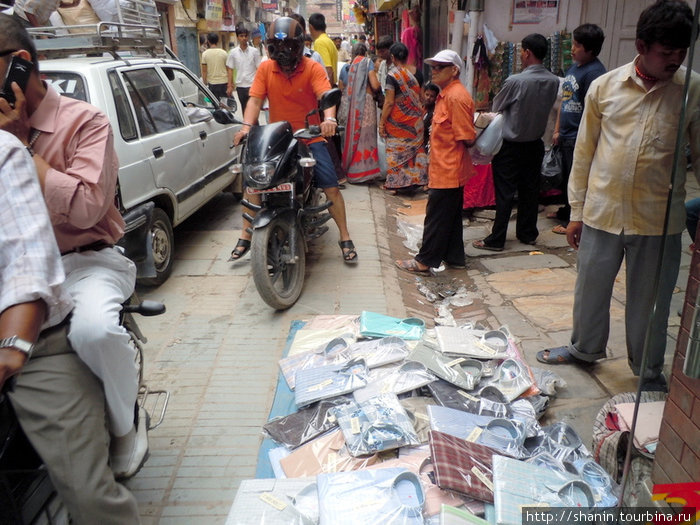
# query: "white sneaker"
[[128, 453]]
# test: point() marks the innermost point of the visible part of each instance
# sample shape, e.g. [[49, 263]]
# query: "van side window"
[[156, 111], [127, 126], [187, 89]]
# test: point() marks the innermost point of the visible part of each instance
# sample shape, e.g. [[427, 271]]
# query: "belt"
[[95, 247]]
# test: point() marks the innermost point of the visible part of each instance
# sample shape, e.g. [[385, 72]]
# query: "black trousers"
[[442, 228], [243, 97], [516, 169], [219, 91]]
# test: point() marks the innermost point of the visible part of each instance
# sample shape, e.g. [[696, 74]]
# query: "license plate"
[[287, 186]]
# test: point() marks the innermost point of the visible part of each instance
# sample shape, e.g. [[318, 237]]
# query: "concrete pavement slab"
[[540, 281], [524, 262], [518, 324], [548, 312]]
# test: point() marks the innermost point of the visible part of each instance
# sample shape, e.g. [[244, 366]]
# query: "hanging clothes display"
[[482, 82], [505, 60]]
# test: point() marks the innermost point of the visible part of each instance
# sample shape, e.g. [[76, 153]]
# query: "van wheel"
[[163, 242]]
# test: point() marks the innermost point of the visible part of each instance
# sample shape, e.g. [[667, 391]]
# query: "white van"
[[172, 152]]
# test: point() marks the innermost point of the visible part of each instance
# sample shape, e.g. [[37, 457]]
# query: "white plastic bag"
[[490, 140]]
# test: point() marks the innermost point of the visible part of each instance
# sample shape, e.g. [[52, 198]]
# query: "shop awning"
[[385, 5]]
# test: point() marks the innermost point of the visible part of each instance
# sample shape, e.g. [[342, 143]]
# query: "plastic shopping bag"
[[552, 170], [489, 141]]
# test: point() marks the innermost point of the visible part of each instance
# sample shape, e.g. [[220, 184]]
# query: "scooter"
[[26, 491], [278, 166]]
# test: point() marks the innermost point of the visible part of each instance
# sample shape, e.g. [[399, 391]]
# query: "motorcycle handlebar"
[[314, 131]]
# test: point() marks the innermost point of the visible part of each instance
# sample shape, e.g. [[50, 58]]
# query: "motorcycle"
[[26, 491], [278, 166]]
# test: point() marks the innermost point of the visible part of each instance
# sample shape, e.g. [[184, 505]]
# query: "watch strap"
[[17, 343]]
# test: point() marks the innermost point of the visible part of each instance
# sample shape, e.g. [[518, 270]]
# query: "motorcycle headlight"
[[260, 174]]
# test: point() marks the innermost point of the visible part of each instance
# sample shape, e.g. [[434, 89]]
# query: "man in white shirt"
[[619, 194], [241, 65]]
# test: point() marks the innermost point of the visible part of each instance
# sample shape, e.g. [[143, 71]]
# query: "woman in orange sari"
[[401, 125]]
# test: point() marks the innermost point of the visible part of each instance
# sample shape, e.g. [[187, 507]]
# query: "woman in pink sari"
[[359, 114]]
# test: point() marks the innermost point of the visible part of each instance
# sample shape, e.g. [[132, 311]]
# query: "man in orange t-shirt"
[[452, 132], [293, 84]]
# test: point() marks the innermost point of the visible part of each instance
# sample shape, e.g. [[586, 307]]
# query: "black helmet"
[[285, 43]]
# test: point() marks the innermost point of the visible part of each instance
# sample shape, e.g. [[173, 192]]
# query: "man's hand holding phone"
[[15, 119], [13, 112]]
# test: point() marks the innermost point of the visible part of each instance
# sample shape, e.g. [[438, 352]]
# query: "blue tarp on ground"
[[282, 405]]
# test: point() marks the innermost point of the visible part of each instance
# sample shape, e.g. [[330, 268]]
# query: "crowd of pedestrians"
[[418, 137]]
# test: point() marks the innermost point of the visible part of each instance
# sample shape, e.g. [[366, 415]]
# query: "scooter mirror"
[[330, 98], [224, 116]]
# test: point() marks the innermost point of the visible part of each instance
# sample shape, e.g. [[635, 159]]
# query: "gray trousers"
[[600, 255], [61, 407]]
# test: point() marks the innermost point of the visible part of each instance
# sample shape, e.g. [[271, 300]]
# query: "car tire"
[[163, 243]]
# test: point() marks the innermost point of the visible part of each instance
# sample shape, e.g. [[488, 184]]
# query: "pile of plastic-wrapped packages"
[[395, 424]]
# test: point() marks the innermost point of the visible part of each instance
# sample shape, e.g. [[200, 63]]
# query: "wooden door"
[[618, 19]]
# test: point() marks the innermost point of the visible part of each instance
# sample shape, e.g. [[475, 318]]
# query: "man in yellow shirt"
[[324, 46], [214, 72], [619, 189]]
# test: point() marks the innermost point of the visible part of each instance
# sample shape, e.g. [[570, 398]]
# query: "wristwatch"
[[16, 343], [331, 119]]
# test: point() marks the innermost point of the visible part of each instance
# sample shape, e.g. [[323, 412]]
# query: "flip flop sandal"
[[411, 266], [349, 256], [559, 229], [558, 356], [241, 248], [481, 245]]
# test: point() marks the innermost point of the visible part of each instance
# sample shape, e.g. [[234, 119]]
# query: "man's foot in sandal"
[[559, 229], [481, 245], [412, 266], [559, 355], [349, 253], [242, 247]]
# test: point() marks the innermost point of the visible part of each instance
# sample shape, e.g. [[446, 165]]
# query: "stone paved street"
[[216, 348]]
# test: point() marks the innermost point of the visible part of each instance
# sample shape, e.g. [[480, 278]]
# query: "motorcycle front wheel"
[[279, 280]]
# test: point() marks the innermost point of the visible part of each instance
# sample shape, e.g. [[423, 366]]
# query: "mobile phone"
[[18, 71]]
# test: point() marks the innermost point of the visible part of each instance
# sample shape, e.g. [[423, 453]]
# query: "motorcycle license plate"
[[287, 186]]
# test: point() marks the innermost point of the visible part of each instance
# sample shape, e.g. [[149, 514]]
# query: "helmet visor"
[[290, 46]]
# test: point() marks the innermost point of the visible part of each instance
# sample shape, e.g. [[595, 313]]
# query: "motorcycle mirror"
[[330, 98], [224, 116]]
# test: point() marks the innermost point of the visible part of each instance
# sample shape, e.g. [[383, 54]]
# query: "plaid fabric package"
[[462, 466]]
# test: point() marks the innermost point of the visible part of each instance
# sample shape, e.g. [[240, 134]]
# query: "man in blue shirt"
[[587, 42]]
